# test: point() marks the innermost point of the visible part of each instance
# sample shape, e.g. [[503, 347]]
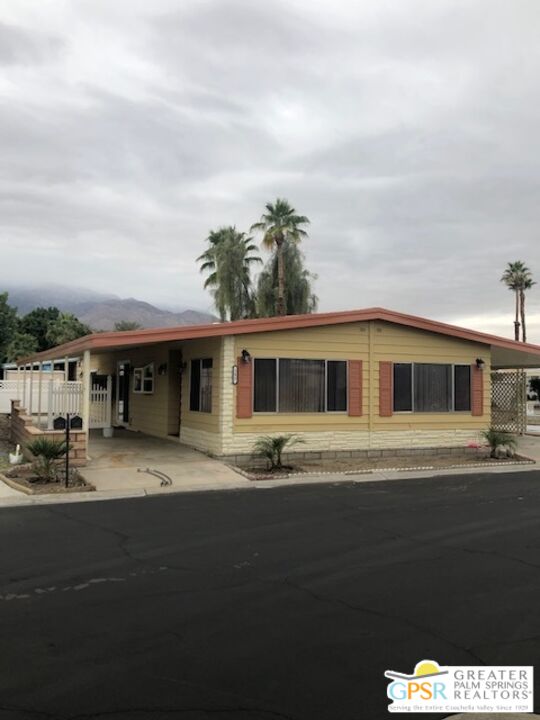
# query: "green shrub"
[[272, 448], [498, 439], [47, 453]]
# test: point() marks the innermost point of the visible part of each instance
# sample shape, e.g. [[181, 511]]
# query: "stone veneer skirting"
[[244, 460], [242, 443], [22, 431], [203, 440], [237, 447]]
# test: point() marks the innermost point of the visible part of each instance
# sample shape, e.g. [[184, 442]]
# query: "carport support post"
[[40, 388], [66, 407], [86, 395], [31, 393], [24, 388]]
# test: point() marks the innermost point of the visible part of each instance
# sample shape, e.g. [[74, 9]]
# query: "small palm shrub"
[[272, 448], [499, 439], [47, 453]]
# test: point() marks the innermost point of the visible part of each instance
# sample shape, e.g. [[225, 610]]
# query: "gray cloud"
[[19, 46], [407, 132]]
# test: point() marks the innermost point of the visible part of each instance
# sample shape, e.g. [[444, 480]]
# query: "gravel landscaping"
[[23, 478], [353, 466]]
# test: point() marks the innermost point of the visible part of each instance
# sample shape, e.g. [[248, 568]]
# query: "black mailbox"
[[59, 423]]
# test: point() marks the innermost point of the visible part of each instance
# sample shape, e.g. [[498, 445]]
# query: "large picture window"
[[299, 386], [430, 387], [200, 390]]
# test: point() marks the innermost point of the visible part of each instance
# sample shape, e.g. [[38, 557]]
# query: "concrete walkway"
[[529, 445]]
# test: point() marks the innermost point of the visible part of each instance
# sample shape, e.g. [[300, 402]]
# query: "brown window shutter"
[[244, 405], [355, 388], [477, 391], [385, 389]]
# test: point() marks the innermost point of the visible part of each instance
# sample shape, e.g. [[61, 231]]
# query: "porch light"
[[480, 364], [246, 357]]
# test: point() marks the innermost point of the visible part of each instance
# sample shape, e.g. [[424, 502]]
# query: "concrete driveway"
[[115, 464]]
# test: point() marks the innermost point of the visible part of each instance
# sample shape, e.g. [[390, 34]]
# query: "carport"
[[120, 463]]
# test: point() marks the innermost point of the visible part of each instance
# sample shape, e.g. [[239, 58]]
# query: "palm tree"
[[299, 295], [518, 278], [512, 279], [280, 223], [525, 284], [228, 260]]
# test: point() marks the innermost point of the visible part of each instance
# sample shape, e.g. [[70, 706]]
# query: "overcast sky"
[[407, 131]]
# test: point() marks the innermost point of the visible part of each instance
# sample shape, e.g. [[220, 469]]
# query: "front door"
[[122, 392]]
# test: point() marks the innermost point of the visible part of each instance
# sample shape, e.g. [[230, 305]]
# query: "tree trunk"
[[523, 328], [280, 305], [516, 321]]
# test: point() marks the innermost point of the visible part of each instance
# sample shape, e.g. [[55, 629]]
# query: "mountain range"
[[101, 311]]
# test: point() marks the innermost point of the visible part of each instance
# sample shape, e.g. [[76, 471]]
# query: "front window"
[[430, 387], [299, 386], [200, 392]]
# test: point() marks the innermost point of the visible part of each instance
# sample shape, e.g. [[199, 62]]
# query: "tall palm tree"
[[300, 297], [526, 284], [511, 278], [280, 223], [518, 279], [228, 260]]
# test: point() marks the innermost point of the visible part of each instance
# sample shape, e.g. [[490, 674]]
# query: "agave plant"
[[272, 447], [47, 453], [498, 439]]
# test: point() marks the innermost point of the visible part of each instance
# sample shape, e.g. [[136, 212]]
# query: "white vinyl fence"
[[57, 398], [8, 392], [64, 397], [101, 405]]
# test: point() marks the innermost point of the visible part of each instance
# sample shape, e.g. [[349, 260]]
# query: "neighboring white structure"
[[46, 396]]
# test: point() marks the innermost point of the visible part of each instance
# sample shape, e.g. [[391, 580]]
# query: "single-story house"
[[359, 380]]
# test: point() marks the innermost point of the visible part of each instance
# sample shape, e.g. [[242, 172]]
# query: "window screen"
[[402, 387], [195, 386], [301, 385], [462, 387], [336, 385], [264, 385], [432, 388], [206, 385], [200, 390]]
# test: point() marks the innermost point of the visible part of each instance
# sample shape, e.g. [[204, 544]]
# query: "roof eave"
[[112, 340]]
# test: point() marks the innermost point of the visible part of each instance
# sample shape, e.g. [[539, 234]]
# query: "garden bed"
[[24, 479], [350, 466]]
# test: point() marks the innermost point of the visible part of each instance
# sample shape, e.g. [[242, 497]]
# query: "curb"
[[15, 485], [297, 479], [372, 471]]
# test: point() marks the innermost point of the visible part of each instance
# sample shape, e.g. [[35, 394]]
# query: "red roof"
[[132, 338]]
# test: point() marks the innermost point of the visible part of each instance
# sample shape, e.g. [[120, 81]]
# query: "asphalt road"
[[264, 604]]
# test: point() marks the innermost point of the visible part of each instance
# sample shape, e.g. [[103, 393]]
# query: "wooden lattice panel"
[[508, 401]]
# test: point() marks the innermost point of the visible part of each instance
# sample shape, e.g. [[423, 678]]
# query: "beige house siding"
[[401, 344], [149, 413], [370, 342], [220, 432], [158, 413], [338, 342], [201, 429]]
